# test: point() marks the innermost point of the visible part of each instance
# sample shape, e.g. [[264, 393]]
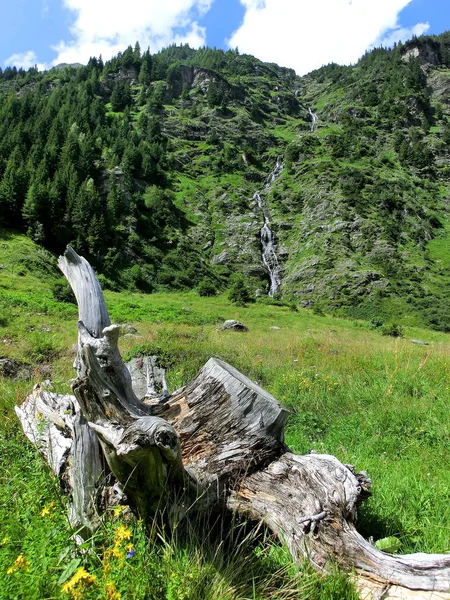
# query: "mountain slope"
[[150, 166]]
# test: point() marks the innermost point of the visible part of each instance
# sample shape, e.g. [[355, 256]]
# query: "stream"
[[268, 248]]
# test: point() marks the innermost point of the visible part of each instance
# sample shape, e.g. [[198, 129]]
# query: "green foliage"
[[207, 287], [392, 330], [62, 291], [100, 156], [375, 402], [42, 348], [390, 544], [239, 293]]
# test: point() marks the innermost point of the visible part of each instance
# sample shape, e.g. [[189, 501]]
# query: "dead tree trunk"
[[220, 442]]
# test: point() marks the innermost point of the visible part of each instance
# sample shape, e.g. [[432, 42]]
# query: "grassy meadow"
[[377, 402]]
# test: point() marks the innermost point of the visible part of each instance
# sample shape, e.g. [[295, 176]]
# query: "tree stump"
[[217, 442]]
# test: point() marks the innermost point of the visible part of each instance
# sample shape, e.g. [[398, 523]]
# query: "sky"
[[299, 34]]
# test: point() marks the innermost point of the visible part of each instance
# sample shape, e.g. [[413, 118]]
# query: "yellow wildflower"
[[117, 552], [4, 541], [78, 581], [122, 534], [114, 552], [111, 591], [48, 509], [129, 547], [118, 510], [20, 563]]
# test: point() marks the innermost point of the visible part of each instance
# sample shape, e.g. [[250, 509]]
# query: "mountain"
[[169, 170]]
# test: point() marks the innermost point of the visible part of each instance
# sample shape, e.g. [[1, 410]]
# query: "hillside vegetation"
[[378, 402], [148, 165]]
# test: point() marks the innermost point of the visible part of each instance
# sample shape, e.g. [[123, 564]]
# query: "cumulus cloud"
[[305, 35], [108, 26], [401, 34], [25, 60]]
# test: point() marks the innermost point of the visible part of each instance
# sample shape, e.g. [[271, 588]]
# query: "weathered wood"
[[142, 451], [54, 424], [228, 425], [231, 432], [220, 437], [88, 293], [310, 502]]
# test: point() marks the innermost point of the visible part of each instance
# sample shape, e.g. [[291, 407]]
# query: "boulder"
[[233, 325]]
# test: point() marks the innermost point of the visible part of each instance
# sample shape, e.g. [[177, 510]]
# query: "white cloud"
[[401, 34], [26, 60], [108, 26], [305, 35]]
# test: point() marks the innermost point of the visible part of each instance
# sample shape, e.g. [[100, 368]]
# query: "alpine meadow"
[[205, 186]]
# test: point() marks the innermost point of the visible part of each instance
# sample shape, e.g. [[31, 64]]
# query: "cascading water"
[[268, 250], [314, 119]]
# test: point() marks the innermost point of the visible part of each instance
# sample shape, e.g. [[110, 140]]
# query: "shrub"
[[376, 322], [207, 287], [393, 330], [239, 292], [62, 291]]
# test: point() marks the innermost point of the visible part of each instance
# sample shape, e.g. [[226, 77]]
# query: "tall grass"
[[375, 402]]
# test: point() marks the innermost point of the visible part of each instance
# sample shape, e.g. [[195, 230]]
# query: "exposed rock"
[[127, 329], [420, 342], [233, 325], [13, 369], [426, 53], [130, 73], [275, 328]]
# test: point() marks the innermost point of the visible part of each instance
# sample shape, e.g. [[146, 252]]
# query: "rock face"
[[426, 53], [233, 325]]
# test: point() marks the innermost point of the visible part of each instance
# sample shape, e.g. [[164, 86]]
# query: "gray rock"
[[233, 325], [127, 329], [13, 369], [275, 328], [420, 342]]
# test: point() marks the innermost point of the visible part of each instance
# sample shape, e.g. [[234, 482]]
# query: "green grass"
[[376, 402], [439, 248]]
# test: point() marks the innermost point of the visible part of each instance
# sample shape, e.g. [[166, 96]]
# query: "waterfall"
[[268, 249], [314, 119]]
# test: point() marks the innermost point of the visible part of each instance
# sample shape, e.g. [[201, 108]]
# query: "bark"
[[217, 442]]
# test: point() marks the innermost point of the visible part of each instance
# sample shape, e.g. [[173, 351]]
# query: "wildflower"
[[131, 553], [4, 541], [20, 563], [122, 534], [48, 510], [118, 510], [117, 552], [81, 579], [111, 591]]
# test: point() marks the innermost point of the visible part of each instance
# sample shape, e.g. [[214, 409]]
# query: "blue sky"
[[294, 33]]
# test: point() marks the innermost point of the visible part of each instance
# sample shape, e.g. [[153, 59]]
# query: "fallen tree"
[[216, 443]]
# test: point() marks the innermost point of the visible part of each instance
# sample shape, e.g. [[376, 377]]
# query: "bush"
[[239, 292], [376, 322], [207, 287], [62, 291], [393, 330]]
